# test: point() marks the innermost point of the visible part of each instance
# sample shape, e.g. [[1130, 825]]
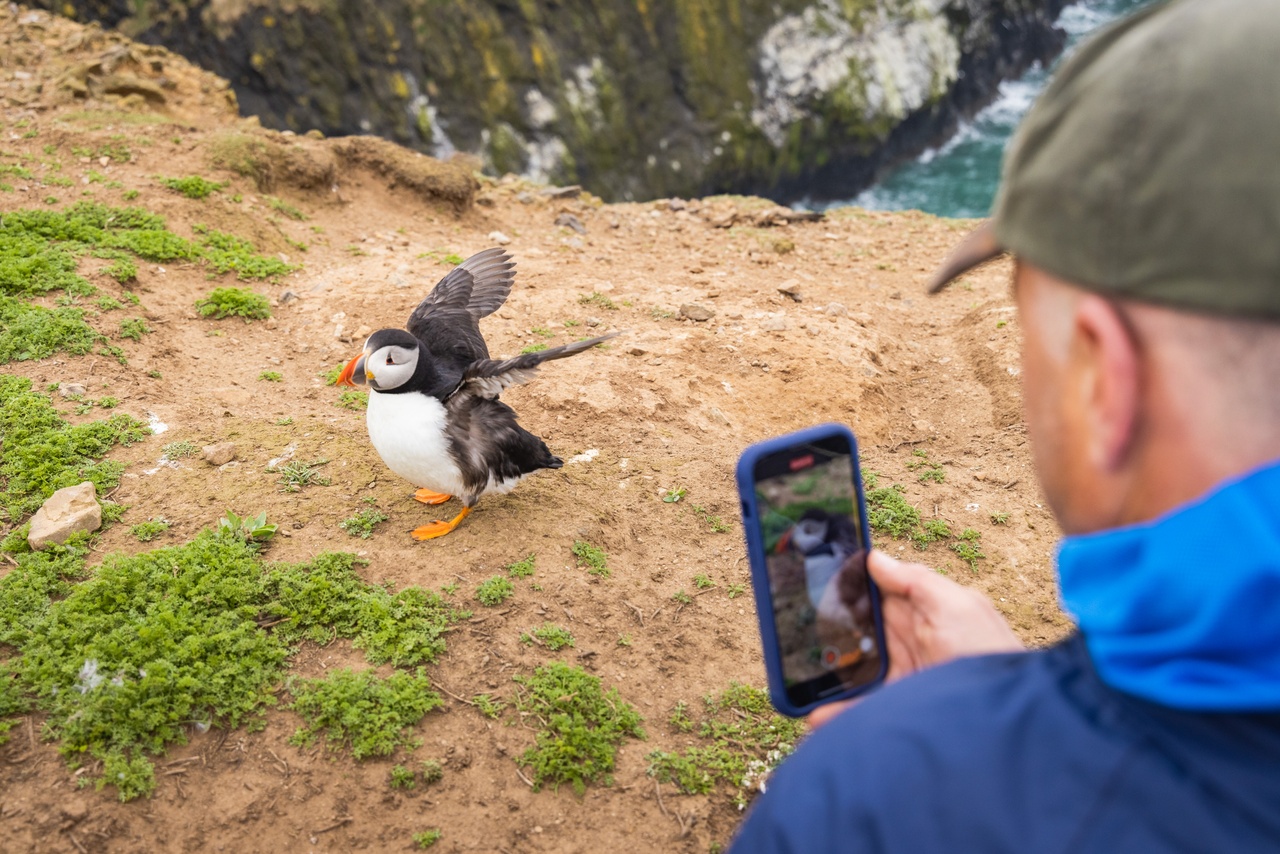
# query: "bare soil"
[[670, 404]]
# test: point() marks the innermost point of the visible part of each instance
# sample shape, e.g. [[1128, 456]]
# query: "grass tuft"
[[193, 186], [494, 591], [522, 568], [234, 302], [367, 713], [582, 726]]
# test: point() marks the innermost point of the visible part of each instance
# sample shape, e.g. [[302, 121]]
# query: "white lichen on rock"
[[885, 66]]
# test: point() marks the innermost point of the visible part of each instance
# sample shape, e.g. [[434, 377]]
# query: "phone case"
[[759, 569]]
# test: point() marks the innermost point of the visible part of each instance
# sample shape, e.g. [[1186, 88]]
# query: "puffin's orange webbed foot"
[[437, 528], [426, 496]]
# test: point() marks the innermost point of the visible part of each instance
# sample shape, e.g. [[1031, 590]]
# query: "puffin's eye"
[[390, 361]]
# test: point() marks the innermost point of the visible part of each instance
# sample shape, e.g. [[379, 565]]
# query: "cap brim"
[[978, 248]]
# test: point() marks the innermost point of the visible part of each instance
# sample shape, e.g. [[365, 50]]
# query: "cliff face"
[[633, 98]]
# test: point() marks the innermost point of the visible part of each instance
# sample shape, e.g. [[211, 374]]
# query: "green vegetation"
[[542, 331], [193, 186], [108, 304], [285, 208], [295, 475], [122, 270], [671, 496], [330, 376], [522, 568], [718, 525], [432, 772], [42, 453], [403, 778], [552, 637], [149, 530], [362, 524], [494, 591], [367, 713], [582, 726], [253, 531], [234, 302], [591, 557], [969, 548], [744, 740], [888, 510], [999, 518], [682, 597], [534, 348], [624, 640], [931, 470], [702, 581], [179, 450], [108, 402], [736, 590], [270, 376], [597, 299], [490, 707], [353, 400], [134, 328], [427, 838]]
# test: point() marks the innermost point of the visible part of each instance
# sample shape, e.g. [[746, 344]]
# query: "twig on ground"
[[639, 613], [455, 696], [337, 824], [521, 775], [657, 789]]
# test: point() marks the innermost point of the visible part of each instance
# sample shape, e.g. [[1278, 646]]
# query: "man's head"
[[1141, 198]]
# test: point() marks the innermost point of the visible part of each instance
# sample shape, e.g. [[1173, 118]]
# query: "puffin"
[[434, 413], [826, 541]]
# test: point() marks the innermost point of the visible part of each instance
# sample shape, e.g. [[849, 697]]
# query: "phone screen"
[[816, 557]]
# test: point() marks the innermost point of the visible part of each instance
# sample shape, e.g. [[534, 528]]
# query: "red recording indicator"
[[802, 462]]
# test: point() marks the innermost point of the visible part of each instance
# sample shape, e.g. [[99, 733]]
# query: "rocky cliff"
[[633, 98]]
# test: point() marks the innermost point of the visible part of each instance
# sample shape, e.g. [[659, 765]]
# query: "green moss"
[[427, 838], [234, 302], [367, 713], [362, 524], [582, 726], [33, 332], [193, 186], [534, 348], [742, 741], [494, 591], [270, 376], [42, 453]]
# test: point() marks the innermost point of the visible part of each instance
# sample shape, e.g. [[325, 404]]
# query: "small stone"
[[568, 220], [696, 312], [637, 351], [499, 238], [677, 204], [737, 315], [790, 288], [574, 243], [570, 192], [836, 309], [219, 454], [774, 323], [72, 390], [526, 198], [74, 811], [592, 321], [363, 332], [272, 323], [66, 512]]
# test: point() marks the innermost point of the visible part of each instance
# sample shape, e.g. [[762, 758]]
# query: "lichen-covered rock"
[[657, 98], [66, 512]]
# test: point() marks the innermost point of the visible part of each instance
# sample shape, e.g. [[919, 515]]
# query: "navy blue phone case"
[[759, 569]]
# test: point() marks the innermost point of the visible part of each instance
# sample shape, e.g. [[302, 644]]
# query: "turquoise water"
[[959, 179]]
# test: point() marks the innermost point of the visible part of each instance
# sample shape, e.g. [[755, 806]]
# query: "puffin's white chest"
[[407, 431]]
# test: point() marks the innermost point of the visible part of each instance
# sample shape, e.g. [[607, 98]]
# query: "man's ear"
[[1108, 366]]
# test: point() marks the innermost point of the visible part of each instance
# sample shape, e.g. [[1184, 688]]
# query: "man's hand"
[[928, 620]]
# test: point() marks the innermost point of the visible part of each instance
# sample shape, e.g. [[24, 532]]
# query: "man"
[[1141, 202]]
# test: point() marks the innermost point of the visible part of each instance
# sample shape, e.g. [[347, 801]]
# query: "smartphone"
[[807, 541]]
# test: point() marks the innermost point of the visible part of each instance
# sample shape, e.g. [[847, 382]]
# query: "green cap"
[[1149, 168]]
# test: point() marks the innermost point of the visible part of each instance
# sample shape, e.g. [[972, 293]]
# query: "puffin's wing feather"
[[493, 272], [452, 292], [490, 377]]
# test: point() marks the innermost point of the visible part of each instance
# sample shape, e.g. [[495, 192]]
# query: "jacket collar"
[[1184, 610]]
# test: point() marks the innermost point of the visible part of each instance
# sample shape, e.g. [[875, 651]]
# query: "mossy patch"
[[362, 524], [581, 726], [368, 713], [193, 186], [234, 302], [42, 453], [744, 739]]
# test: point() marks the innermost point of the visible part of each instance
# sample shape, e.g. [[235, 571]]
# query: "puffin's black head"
[[390, 359]]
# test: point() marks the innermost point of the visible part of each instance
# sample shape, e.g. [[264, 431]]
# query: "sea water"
[[959, 178]]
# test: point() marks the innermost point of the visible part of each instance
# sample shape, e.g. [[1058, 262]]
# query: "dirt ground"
[[669, 405]]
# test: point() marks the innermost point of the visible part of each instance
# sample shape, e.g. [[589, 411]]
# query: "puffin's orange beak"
[[349, 371], [783, 542]]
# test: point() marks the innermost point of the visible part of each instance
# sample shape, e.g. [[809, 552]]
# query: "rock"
[[363, 332], [836, 309], [570, 192], [791, 288], [774, 323], [526, 198], [219, 454], [637, 351], [696, 312], [66, 512], [128, 84], [592, 321], [272, 323], [568, 220], [677, 204], [499, 238], [72, 390]]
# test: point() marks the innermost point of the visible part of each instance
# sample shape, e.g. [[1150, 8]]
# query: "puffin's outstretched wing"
[[489, 377], [447, 320]]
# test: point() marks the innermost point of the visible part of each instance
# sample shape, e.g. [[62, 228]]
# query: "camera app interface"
[[817, 570]]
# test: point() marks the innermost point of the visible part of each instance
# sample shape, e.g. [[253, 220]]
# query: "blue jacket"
[[1156, 729]]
